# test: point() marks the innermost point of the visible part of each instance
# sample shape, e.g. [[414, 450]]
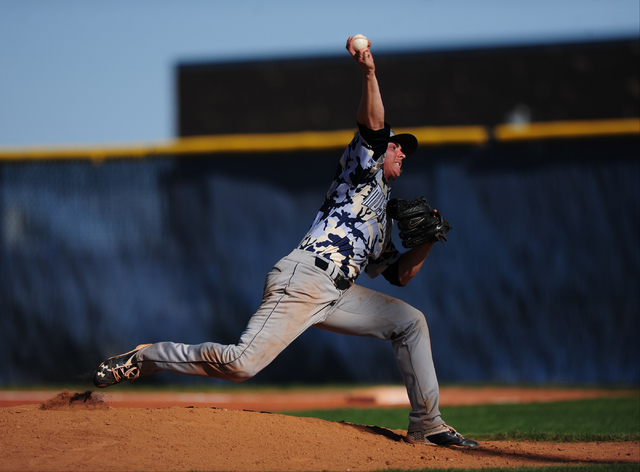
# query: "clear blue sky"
[[88, 71]]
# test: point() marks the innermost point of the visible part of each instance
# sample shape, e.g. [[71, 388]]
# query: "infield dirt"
[[83, 432]]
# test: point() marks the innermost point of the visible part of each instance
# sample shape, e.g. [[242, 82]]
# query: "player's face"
[[393, 161]]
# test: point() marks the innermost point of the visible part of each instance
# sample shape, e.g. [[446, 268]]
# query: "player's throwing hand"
[[363, 56]]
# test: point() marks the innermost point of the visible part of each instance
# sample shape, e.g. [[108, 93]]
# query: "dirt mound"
[[75, 436], [66, 400]]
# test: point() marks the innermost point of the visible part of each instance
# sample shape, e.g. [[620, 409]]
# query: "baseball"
[[360, 41]]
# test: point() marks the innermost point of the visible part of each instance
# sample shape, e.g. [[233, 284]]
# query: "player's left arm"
[[407, 265], [411, 262]]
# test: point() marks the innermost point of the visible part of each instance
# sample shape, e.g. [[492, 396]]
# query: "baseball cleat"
[[442, 435], [118, 368]]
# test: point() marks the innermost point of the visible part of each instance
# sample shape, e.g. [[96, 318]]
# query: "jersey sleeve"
[[375, 267], [362, 156], [377, 140]]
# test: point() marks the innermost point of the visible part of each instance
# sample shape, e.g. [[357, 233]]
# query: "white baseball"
[[360, 41]]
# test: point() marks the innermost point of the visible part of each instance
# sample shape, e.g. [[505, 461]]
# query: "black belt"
[[339, 279]]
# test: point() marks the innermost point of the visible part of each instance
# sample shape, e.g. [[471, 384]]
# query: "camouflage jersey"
[[352, 228]]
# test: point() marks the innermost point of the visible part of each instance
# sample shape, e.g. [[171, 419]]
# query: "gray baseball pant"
[[298, 295]]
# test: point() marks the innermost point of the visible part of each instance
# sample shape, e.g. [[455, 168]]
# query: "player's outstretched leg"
[[118, 368], [442, 435]]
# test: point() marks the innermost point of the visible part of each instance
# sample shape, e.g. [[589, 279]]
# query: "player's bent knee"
[[415, 321], [413, 316], [238, 379], [238, 372]]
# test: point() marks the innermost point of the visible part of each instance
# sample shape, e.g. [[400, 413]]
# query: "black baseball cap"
[[408, 142]]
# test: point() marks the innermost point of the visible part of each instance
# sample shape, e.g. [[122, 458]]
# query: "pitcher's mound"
[[77, 432]]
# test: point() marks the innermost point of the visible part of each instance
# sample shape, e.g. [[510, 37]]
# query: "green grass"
[[604, 419]]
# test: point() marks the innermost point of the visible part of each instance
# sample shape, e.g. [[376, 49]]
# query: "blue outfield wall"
[[538, 282]]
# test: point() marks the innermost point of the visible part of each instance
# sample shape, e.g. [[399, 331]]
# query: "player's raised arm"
[[371, 110]]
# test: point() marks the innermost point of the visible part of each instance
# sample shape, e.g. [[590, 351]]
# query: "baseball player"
[[313, 286]]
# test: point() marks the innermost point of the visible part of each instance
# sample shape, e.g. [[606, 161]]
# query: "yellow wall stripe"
[[448, 135], [566, 129], [323, 140]]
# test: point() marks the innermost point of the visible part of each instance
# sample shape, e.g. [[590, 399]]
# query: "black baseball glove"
[[417, 222]]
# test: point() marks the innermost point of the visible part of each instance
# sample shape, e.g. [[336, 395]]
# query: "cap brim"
[[408, 143]]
